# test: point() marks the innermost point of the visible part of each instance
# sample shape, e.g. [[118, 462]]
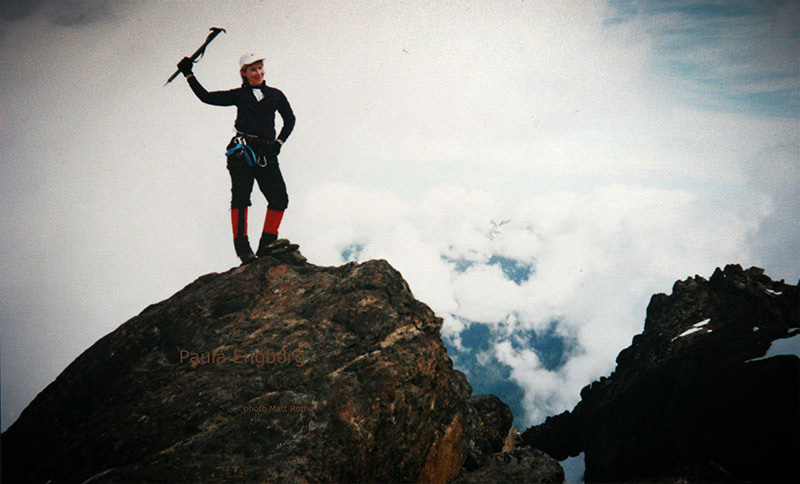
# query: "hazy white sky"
[[613, 148]]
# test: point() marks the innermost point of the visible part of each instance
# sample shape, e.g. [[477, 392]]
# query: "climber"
[[253, 152]]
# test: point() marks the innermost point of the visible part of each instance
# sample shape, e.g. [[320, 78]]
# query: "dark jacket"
[[252, 117]]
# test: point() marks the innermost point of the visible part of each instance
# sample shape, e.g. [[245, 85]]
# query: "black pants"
[[269, 178]]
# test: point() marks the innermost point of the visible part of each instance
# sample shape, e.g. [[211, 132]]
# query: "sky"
[[535, 170]]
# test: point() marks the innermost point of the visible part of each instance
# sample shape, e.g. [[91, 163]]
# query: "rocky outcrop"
[[491, 423], [278, 371], [692, 396], [520, 465]]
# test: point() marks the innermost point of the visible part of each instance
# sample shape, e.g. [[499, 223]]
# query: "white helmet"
[[247, 59]]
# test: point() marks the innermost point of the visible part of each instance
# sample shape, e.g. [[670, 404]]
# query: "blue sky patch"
[[352, 252], [552, 349], [490, 377], [477, 337], [461, 264], [721, 53], [515, 270], [486, 374]]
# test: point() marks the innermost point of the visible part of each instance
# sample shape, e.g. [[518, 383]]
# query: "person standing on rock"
[[253, 153]]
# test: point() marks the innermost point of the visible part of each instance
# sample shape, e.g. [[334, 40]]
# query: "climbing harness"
[[240, 146]]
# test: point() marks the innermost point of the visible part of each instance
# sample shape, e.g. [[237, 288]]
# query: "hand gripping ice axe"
[[199, 52]]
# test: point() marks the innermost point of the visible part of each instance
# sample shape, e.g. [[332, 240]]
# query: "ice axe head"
[[202, 50], [199, 53]]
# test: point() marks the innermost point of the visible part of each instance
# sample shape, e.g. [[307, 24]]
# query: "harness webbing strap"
[[249, 154]]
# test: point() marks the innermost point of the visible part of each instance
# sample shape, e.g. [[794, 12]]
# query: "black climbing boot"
[[243, 250], [265, 245]]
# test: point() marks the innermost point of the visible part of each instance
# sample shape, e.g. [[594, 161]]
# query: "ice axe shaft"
[[199, 52]]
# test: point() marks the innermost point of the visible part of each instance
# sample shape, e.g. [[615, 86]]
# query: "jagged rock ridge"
[[271, 372], [691, 398]]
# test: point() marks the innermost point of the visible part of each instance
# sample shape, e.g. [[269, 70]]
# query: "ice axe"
[[199, 52]]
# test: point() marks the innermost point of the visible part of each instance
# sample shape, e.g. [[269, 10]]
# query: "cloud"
[[60, 12], [596, 258], [19, 9], [731, 56]]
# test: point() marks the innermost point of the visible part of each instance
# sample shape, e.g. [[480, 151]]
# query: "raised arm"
[[216, 98]]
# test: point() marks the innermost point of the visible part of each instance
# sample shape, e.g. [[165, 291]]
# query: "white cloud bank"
[[597, 258]]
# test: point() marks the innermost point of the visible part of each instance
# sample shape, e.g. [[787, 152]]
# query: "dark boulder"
[[522, 465], [271, 372], [693, 387], [489, 429]]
